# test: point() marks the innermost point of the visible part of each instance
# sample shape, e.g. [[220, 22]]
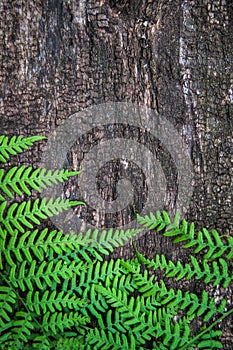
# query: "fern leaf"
[[210, 344], [39, 245], [108, 273], [128, 310], [104, 339], [22, 179], [57, 322], [176, 300], [69, 343], [151, 221], [52, 301], [22, 325], [203, 240], [106, 241], [56, 245], [16, 144], [133, 318], [205, 340], [41, 342], [12, 344], [97, 272], [42, 274], [60, 280], [218, 272], [20, 215], [7, 300]]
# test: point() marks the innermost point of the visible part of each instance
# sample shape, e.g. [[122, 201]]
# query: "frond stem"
[[193, 340]]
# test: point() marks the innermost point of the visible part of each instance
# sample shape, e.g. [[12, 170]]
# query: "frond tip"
[[203, 240], [16, 144], [23, 179], [18, 216]]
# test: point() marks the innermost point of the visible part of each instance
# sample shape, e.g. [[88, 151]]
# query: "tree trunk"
[[173, 57]]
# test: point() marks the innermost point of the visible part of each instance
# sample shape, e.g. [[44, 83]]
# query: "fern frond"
[[207, 332], [22, 179], [132, 318], [210, 242], [106, 241], [203, 240], [52, 301], [204, 340], [39, 245], [26, 275], [108, 273], [217, 271], [58, 322], [104, 339], [176, 300], [69, 343], [22, 325], [128, 309], [207, 341], [19, 215], [41, 342], [7, 300], [13, 344], [105, 271], [16, 144], [57, 291], [158, 222], [55, 244]]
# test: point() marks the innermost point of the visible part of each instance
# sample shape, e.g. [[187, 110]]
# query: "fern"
[[103, 339], [7, 300], [176, 300], [58, 322], [52, 301], [141, 322], [58, 291], [16, 144], [19, 179], [19, 215], [18, 247], [210, 242], [216, 271]]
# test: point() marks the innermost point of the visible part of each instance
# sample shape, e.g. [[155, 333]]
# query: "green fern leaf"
[[23, 179], [19, 215], [22, 325], [175, 300], [133, 317], [210, 344], [53, 283], [58, 322], [12, 344], [69, 343], [41, 342], [42, 274], [219, 273], [106, 241], [205, 340], [101, 339], [128, 309], [211, 241], [39, 245], [151, 221], [52, 301], [7, 301], [16, 144]]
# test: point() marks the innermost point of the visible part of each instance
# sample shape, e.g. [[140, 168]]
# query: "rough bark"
[[59, 57]]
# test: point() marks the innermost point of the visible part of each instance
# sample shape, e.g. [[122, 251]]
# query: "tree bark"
[[175, 57]]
